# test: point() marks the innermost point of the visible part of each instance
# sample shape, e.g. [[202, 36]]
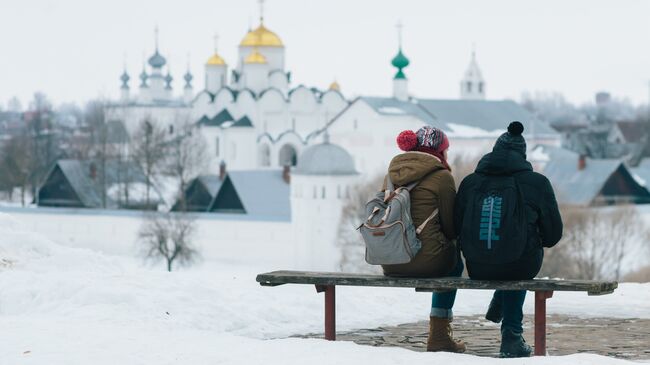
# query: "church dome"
[[215, 60], [255, 57], [261, 37], [157, 60], [400, 61], [325, 159]]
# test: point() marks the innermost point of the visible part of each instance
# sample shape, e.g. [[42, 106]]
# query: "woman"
[[425, 161]]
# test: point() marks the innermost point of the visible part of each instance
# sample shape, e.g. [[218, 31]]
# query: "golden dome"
[[335, 86], [255, 57], [215, 60], [261, 37]]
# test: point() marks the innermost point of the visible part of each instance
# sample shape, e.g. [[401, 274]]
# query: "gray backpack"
[[389, 232]]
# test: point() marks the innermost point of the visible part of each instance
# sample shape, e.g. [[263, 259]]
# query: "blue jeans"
[[443, 302], [512, 303]]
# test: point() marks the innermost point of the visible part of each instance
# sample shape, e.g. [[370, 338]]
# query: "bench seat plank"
[[275, 278]]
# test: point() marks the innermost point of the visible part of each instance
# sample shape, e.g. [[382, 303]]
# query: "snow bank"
[[61, 305]]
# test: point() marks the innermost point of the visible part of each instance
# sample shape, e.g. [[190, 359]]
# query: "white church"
[[332, 142]]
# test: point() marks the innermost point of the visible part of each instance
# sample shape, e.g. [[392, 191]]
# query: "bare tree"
[[15, 164], [102, 150], [14, 105], [148, 151], [187, 158], [169, 236], [44, 147], [597, 243]]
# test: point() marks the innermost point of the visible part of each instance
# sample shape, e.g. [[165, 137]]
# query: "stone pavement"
[[620, 338]]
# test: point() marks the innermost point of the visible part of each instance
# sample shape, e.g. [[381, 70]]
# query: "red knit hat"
[[427, 137], [428, 140]]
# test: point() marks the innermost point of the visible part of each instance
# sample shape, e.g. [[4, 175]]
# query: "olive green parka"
[[436, 189]]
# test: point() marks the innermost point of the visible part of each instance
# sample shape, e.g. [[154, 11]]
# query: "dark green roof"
[[243, 122], [219, 119]]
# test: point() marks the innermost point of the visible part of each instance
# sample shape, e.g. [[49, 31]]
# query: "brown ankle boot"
[[441, 336]]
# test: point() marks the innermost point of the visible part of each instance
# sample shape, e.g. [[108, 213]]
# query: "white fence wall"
[[224, 238]]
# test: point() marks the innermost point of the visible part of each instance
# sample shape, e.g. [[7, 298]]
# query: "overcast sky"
[[74, 50]]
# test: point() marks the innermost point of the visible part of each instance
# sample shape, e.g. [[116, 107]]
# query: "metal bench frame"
[[327, 282]]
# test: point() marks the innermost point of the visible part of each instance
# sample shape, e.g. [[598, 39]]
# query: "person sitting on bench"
[[504, 215], [425, 162]]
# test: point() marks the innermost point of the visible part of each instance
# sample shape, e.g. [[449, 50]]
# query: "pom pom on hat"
[[407, 140], [516, 128]]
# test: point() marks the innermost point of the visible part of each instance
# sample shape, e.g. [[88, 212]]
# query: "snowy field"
[[63, 305]]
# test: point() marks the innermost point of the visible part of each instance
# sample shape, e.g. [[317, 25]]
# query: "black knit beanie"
[[512, 139]]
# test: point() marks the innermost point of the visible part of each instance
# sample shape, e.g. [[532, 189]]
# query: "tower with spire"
[[216, 70], [400, 82], [472, 85], [157, 81]]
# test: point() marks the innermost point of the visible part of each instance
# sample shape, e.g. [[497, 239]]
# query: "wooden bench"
[[326, 282]]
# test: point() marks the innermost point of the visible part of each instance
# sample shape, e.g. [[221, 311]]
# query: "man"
[[505, 214]]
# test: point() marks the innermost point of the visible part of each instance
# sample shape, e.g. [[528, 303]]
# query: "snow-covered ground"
[[63, 305]]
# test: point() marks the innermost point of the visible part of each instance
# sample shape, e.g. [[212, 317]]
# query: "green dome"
[[400, 61]]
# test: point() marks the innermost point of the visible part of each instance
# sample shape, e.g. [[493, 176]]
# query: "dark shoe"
[[514, 345], [441, 336], [495, 311]]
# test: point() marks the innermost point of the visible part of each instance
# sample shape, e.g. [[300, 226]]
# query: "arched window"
[[323, 196], [264, 155], [469, 86], [288, 156], [480, 87]]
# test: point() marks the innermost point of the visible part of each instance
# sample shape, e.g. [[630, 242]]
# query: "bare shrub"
[[640, 276], [597, 243], [169, 236]]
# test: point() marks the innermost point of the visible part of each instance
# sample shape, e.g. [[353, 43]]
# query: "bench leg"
[[540, 321], [330, 310]]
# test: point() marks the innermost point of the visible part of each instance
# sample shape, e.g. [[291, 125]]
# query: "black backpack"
[[494, 223]]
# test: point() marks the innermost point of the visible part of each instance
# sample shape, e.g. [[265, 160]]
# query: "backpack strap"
[[390, 191], [424, 224]]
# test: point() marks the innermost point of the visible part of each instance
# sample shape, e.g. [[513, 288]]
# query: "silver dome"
[[325, 159]]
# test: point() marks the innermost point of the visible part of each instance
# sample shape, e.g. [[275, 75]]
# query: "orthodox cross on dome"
[[216, 42], [156, 36], [261, 2], [399, 27]]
